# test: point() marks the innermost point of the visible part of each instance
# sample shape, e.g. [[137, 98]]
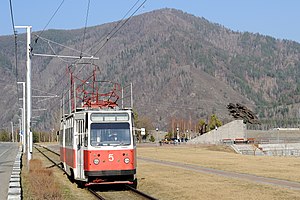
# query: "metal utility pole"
[[23, 118], [12, 131], [28, 87], [28, 91], [131, 97], [60, 56], [20, 128], [122, 98]]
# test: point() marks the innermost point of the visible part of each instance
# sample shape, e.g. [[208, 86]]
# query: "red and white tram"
[[97, 142]]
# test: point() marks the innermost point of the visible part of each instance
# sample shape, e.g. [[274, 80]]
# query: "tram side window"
[[134, 139], [85, 140], [69, 136], [60, 137], [82, 132]]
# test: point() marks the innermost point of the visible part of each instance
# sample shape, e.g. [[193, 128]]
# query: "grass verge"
[[34, 187], [39, 182]]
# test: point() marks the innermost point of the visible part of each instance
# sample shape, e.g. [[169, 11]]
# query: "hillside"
[[181, 66]]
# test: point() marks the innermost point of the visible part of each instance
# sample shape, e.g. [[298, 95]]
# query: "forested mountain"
[[181, 66]]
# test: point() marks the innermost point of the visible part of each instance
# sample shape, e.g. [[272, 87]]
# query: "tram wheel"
[[134, 185], [72, 177]]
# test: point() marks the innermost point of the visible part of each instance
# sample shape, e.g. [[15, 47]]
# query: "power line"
[[53, 51], [50, 20], [110, 36], [16, 45], [48, 41], [44, 92], [59, 44], [84, 32], [112, 32], [116, 25], [15, 35], [12, 16], [39, 36], [51, 41]]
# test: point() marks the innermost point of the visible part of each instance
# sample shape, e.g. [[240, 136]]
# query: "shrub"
[[4, 136]]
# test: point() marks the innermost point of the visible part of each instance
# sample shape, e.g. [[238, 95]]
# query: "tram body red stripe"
[[109, 160], [68, 156]]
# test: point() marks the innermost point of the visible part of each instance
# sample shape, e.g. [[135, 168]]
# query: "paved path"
[[8, 152]]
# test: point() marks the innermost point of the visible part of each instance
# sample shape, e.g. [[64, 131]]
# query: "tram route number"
[[111, 157]]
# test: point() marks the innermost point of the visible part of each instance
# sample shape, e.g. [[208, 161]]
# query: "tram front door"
[[80, 147]]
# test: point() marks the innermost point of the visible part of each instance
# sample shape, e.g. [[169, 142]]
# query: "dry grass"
[[61, 184], [286, 168], [41, 182], [172, 183], [166, 182], [223, 148]]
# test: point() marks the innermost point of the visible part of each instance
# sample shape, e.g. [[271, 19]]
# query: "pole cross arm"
[[60, 56]]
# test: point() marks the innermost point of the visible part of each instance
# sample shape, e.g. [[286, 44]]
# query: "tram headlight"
[[126, 160], [96, 161]]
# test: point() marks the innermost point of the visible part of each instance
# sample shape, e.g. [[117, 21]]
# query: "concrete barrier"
[[15, 189], [232, 130]]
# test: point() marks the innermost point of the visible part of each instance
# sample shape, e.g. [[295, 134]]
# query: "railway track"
[[130, 193]]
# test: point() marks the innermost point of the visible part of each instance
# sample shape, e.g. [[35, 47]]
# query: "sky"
[[276, 18]]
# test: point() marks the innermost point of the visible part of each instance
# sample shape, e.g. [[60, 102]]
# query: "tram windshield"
[[110, 134]]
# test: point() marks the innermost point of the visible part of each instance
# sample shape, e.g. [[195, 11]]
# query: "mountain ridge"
[[181, 66]]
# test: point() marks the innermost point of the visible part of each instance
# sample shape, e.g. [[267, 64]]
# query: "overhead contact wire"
[[16, 45], [120, 21], [84, 32], [15, 35], [50, 20], [120, 27], [108, 36], [117, 29], [51, 41]]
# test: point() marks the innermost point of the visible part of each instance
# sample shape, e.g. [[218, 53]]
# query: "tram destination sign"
[[109, 117]]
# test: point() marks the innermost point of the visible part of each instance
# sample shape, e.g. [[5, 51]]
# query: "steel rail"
[[140, 193], [95, 194], [55, 164], [48, 149]]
